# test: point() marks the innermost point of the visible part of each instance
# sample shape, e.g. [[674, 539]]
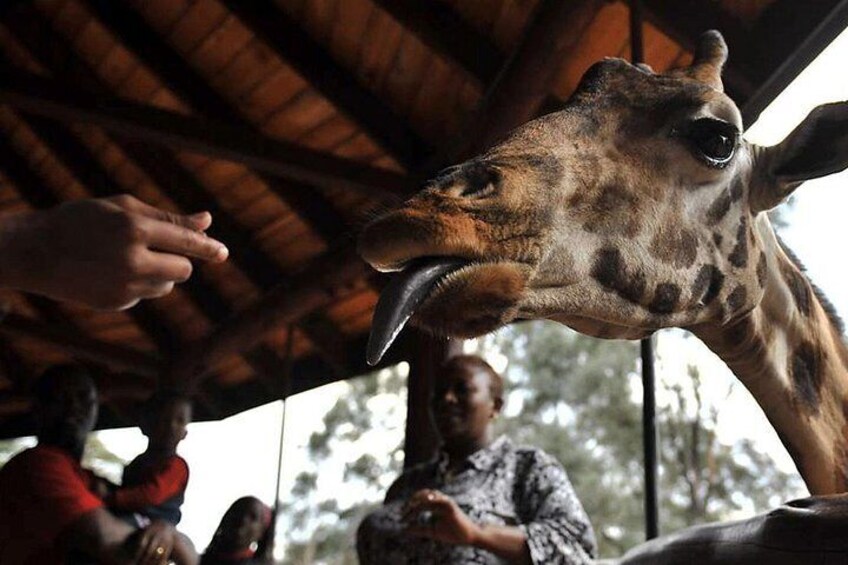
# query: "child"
[[154, 483]]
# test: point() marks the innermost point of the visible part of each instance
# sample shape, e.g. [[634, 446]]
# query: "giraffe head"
[[635, 207]]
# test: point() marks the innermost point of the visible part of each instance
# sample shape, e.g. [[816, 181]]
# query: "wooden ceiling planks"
[[403, 78]]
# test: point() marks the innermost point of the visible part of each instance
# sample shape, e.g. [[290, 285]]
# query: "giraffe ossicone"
[[636, 207]]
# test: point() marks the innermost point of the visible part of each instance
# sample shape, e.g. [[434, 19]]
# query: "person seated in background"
[[106, 253], [483, 499], [48, 513], [245, 535], [154, 483]]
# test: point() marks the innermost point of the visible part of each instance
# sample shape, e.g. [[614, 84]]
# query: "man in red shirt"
[[47, 509]]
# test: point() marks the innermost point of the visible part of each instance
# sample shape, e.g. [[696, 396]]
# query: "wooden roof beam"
[[786, 37], [155, 53], [145, 44], [49, 98], [14, 368], [310, 372], [116, 356], [34, 192], [85, 167], [524, 83], [314, 288], [166, 172], [439, 27], [292, 44]]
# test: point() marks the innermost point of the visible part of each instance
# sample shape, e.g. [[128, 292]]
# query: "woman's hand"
[[155, 543], [432, 514]]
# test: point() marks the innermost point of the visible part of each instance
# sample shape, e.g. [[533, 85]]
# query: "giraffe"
[[637, 206]]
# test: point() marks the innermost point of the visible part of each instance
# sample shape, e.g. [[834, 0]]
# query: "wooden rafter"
[[13, 366], [784, 39], [318, 285], [310, 372], [112, 355], [184, 189], [292, 44], [46, 97], [36, 194], [523, 85], [439, 27], [146, 45]]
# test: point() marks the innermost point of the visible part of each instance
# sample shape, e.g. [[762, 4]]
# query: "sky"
[[238, 456]]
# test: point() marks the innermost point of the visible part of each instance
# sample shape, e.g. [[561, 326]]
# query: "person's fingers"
[[167, 267], [156, 551], [171, 238], [199, 221]]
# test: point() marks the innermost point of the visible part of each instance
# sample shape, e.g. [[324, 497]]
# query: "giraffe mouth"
[[399, 300]]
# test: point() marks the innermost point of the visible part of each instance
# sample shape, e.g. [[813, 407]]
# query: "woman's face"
[[462, 403], [244, 524]]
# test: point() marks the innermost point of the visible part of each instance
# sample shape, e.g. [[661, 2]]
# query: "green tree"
[[369, 420]]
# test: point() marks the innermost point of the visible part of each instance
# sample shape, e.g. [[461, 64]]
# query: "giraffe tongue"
[[400, 299]]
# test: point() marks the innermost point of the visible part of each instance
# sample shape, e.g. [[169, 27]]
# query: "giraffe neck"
[[792, 359]]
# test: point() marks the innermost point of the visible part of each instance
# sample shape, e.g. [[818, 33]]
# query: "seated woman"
[[483, 500], [245, 535]]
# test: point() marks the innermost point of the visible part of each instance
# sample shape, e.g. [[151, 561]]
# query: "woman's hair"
[[265, 543], [496, 385]]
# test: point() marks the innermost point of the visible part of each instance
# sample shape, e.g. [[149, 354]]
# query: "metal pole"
[[649, 412], [649, 438]]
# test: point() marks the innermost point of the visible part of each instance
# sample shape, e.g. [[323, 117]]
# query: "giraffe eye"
[[714, 141], [480, 182]]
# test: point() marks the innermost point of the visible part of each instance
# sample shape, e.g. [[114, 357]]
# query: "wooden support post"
[[425, 359]]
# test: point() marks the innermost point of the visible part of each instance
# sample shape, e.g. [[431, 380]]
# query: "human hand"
[[446, 522], [106, 253], [155, 543]]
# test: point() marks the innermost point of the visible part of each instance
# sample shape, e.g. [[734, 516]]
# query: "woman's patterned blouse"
[[500, 484]]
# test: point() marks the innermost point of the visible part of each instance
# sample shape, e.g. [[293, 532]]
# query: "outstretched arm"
[[105, 253]]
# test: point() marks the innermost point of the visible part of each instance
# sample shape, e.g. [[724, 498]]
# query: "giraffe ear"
[[817, 147]]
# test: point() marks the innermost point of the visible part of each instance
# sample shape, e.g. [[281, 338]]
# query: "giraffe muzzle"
[[398, 302]]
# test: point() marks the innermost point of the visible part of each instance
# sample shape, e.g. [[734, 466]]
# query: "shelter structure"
[[293, 121]]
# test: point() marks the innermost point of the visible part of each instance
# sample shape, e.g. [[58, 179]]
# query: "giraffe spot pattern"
[[676, 247], [721, 205], [612, 211], [761, 269], [609, 270], [736, 300], [708, 283], [717, 239], [665, 299], [739, 255], [798, 288], [806, 376]]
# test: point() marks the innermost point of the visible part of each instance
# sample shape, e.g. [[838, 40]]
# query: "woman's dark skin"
[[466, 400]]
